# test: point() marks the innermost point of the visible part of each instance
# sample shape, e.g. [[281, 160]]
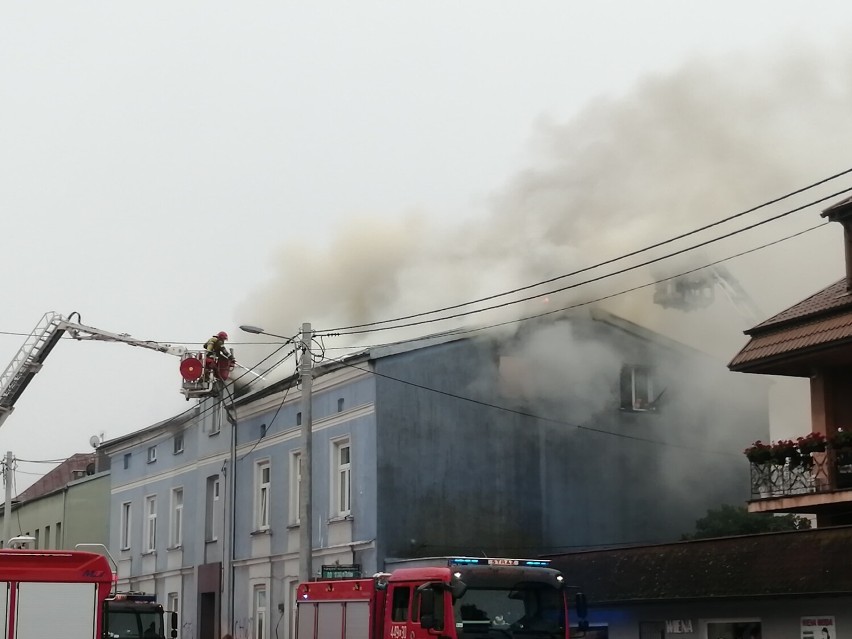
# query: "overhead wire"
[[561, 309], [379, 325]]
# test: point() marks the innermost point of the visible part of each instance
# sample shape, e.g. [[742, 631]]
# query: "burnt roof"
[[796, 563]]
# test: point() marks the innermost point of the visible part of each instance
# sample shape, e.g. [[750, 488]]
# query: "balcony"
[[806, 474]]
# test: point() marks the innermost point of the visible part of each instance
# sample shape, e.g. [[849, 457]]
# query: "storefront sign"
[[336, 571], [818, 628], [679, 626]]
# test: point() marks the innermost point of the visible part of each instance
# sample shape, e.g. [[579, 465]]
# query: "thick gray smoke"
[[676, 152]]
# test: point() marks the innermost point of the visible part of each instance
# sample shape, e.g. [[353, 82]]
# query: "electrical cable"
[[464, 331], [378, 325], [268, 426]]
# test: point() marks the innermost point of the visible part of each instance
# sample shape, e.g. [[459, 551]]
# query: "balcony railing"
[[807, 474]]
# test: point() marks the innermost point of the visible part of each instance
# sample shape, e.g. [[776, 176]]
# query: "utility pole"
[[7, 509], [305, 506]]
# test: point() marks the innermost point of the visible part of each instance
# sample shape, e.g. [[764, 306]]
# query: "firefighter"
[[215, 349]]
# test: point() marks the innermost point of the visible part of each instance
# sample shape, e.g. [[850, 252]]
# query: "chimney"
[[842, 212]]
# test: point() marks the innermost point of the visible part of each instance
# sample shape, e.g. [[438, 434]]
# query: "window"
[[47, 536], [259, 605], [295, 486], [59, 541], [176, 528], [126, 461], [215, 423], [401, 598], [637, 389], [37, 538], [150, 543], [178, 444], [299, 419], [173, 603], [340, 405], [152, 454], [261, 504], [342, 481], [737, 629], [211, 508], [124, 541]]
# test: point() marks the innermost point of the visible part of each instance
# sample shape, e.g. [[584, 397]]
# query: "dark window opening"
[[401, 599], [638, 393]]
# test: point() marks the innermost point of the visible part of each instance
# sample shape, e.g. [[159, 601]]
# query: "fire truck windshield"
[[527, 608], [128, 624]]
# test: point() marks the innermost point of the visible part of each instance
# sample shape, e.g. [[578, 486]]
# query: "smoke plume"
[[676, 152]]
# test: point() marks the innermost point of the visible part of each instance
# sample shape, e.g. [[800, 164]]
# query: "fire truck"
[[69, 593], [53, 594], [132, 615], [465, 598]]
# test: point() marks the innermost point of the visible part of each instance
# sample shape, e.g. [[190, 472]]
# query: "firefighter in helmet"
[[214, 350]]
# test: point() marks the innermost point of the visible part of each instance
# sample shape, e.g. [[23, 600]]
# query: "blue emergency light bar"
[[490, 561]]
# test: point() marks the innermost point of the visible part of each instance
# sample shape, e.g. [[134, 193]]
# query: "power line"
[[464, 331], [377, 327]]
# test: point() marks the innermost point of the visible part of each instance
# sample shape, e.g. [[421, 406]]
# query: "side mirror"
[[457, 588], [174, 623]]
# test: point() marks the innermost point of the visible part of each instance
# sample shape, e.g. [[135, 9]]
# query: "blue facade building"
[[582, 431]]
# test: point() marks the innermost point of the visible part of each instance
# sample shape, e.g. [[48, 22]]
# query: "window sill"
[[172, 548], [293, 526], [264, 531], [149, 553], [341, 518], [214, 433]]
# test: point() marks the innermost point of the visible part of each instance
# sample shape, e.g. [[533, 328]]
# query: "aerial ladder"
[[201, 378], [697, 290]]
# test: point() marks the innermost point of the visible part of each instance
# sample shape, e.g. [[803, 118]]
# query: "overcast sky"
[[169, 170]]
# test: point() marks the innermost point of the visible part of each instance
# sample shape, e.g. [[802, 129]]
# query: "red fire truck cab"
[[465, 598], [53, 593]]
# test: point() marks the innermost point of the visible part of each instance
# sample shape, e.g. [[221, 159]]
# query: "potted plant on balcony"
[[758, 452], [785, 449], [811, 443], [841, 443]]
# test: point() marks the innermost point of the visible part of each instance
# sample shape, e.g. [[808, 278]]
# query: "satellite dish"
[[94, 441]]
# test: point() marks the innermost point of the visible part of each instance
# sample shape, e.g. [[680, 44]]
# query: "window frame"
[[150, 536], [260, 613], [295, 485], [152, 454], [637, 395], [341, 476], [178, 444], [125, 526], [262, 490], [176, 518], [211, 505]]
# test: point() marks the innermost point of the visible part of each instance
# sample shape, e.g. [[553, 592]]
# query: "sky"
[[169, 170]]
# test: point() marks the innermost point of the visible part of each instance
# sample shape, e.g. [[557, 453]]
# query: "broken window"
[[637, 389]]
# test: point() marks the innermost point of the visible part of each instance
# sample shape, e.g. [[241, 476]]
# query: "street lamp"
[[305, 491]]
